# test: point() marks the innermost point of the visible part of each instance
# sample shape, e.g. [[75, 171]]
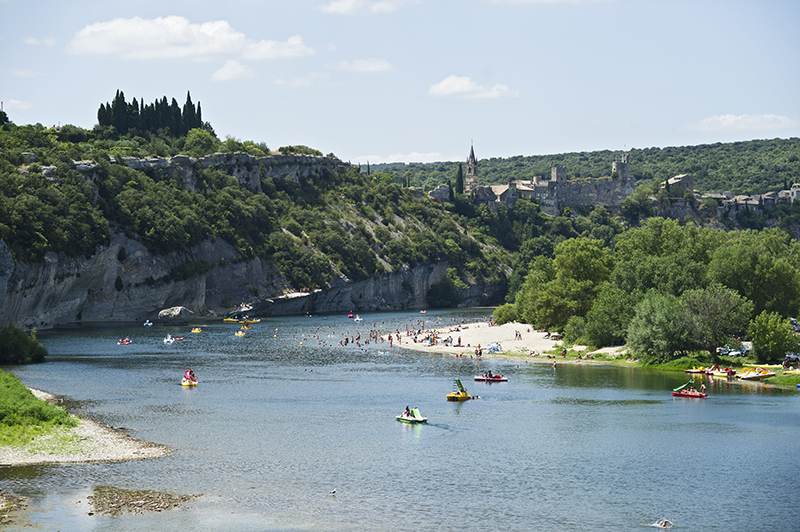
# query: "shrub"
[[16, 347]]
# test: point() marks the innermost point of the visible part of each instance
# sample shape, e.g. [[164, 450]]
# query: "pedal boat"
[[459, 393], [491, 378], [413, 419], [688, 393], [685, 391], [754, 374], [188, 382]]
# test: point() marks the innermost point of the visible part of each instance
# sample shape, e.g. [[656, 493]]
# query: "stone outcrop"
[[175, 315], [247, 169]]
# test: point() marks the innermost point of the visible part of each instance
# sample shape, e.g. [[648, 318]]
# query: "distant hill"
[[752, 167]]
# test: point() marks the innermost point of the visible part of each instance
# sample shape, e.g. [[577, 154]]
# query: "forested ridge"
[[664, 287], [749, 167]]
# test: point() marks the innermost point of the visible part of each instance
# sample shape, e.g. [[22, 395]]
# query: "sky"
[[418, 80]]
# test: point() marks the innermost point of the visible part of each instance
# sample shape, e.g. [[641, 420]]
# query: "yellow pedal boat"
[[459, 393]]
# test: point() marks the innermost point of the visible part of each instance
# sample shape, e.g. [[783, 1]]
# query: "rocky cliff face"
[[115, 285], [247, 169], [126, 283]]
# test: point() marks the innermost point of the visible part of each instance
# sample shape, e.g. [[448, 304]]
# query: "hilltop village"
[[556, 193]]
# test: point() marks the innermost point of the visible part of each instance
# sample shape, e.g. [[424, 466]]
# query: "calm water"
[[274, 426]]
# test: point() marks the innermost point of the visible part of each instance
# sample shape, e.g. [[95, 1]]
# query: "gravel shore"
[[87, 442]]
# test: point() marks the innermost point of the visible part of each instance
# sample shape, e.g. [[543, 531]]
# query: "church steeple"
[[471, 177]]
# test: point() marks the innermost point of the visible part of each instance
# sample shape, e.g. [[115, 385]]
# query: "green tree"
[[460, 180], [200, 142], [772, 337], [761, 266], [611, 313], [655, 329], [713, 314]]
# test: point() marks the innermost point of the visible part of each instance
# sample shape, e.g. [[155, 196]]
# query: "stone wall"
[[605, 191]]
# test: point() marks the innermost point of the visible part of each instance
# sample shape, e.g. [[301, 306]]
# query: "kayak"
[[493, 378]]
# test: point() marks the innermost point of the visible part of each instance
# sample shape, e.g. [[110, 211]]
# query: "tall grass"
[[24, 417]]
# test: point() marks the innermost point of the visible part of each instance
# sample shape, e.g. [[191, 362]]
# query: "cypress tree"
[[188, 114], [459, 180], [175, 119], [119, 113]]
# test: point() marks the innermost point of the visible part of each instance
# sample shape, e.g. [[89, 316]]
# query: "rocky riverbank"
[[86, 442]]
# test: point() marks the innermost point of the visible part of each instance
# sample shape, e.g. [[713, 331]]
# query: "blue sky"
[[418, 80]]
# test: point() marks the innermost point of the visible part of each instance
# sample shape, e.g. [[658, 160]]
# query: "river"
[[284, 416]]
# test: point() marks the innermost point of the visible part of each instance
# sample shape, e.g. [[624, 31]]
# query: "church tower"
[[471, 179]]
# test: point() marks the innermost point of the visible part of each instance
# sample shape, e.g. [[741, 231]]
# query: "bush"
[[16, 347], [575, 329], [505, 314]]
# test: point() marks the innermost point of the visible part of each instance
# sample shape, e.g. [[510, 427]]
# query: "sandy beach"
[[87, 442], [472, 335]]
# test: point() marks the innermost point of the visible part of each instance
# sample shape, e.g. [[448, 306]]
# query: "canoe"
[[493, 378], [696, 395]]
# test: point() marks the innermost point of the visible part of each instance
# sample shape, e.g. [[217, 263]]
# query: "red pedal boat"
[[696, 395], [688, 390], [489, 377]]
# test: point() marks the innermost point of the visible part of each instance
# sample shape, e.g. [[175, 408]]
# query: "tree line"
[[749, 167], [140, 118], [665, 289]]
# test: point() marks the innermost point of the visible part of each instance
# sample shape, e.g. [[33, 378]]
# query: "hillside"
[[752, 167], [151, 231]]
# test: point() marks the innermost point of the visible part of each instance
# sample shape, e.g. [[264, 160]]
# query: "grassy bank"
[[23, 417]]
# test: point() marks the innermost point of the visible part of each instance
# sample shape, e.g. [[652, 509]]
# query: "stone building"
[[557, 192], [471, 179]]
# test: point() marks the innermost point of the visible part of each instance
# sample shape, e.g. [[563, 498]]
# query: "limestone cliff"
[[124, 282]]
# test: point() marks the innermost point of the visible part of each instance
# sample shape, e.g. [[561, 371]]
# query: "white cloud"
[[464, 87], [17, 73], [350, 7], [37, 42], [413, 157], [315, 79], [175, 37], [293, 47], [735, 123], [366, 65], [232, 70]]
